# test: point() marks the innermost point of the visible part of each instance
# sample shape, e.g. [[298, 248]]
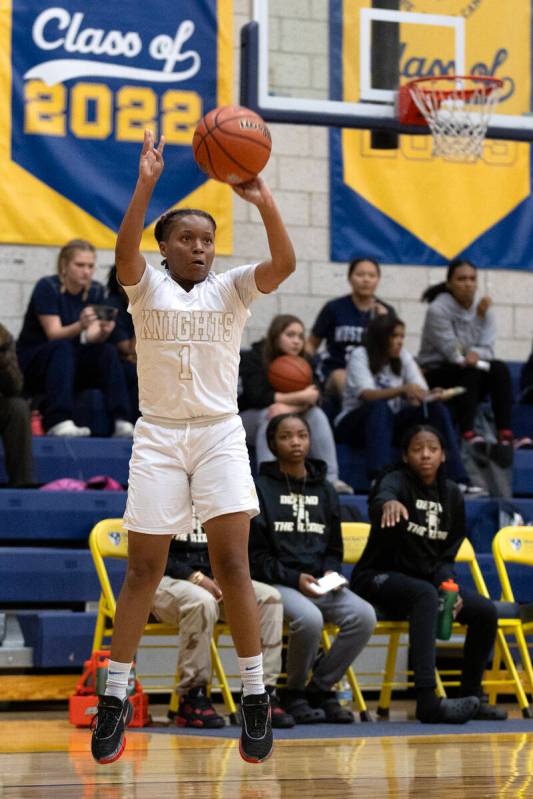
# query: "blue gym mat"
[[377, 729]]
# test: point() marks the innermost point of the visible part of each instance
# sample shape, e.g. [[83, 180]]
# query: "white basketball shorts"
[[171, 467]]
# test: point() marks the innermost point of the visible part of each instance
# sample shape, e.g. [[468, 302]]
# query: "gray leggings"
[[356, 619], [322, 442]]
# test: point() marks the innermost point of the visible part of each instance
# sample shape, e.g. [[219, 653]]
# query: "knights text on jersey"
[[188, 343]]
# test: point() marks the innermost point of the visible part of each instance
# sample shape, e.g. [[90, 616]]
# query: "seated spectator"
[[15, 427], [123, 337], [385, 393], [259, 402], [296, 540], [63, 346], [417, 526], [188, 596], [457, 349], [342, 322]]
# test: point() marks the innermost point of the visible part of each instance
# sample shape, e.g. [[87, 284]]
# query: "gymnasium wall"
[[298, 174]]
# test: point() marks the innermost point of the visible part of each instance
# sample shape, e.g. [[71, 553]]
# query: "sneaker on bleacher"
[[68, 428], [123, 429]]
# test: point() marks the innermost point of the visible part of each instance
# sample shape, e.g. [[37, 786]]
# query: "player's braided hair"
[[65, 255], [165, 222]]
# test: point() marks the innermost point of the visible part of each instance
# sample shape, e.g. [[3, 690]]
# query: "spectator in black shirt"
[[190, 597], [15, 428], [418, 525], [296, 540], [124, 339], [259, 402]]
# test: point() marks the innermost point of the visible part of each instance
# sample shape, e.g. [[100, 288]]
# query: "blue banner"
[[85, 80], [404, 206]]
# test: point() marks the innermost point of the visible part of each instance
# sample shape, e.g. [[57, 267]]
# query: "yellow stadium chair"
[[515, 545], [506, 626], [109, 539], [354, 537]]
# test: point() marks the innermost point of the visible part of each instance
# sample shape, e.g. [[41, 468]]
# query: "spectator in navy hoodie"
[[63, 346], [295, 541], [342, 322]]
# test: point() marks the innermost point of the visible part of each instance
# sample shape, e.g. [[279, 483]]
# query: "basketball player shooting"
[[189, 444]]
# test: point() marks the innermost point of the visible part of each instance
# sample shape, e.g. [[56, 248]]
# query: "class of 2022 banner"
[[80, 82], [404, 206]]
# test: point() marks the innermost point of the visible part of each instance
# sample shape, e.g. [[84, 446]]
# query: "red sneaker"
[[195, 710]]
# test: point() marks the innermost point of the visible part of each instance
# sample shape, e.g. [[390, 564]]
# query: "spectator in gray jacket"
[[457, 349], [15, 427]]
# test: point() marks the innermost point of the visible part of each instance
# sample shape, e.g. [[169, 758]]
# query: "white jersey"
[[188, 343]]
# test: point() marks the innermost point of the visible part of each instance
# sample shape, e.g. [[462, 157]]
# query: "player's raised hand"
[[151, 161], [254, 191]]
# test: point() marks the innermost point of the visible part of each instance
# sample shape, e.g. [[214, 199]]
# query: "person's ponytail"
[[433, 291]]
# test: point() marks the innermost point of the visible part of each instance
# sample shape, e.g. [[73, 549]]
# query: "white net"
[[458, 111]]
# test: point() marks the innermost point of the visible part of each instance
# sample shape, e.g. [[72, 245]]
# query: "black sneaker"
[[281, 720], [195, 710], [108, 725], [255, 744]]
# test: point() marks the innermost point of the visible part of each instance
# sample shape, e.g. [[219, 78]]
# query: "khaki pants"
[[195, 611]]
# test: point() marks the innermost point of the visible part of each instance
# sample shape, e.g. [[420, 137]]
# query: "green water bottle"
[[448, 591]]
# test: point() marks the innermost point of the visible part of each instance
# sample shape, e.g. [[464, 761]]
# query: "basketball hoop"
[[457, 109]]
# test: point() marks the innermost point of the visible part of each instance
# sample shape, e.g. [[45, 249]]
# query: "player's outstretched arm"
[[269, 274], [128, 259]]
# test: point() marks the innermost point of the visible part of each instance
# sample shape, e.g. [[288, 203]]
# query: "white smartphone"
[[329, 582]]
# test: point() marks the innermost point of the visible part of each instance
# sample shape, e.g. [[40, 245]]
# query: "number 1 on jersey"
[[184, 354]]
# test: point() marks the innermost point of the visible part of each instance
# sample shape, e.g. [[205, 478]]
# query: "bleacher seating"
[[32, 516], [56, 457], [60, 574], [40, 575], [59, 638], [47, 575]]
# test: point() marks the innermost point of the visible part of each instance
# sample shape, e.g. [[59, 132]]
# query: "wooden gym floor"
[[43, 757]]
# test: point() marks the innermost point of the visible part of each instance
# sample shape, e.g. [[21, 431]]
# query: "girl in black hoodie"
[[418, 525], [296, 540]]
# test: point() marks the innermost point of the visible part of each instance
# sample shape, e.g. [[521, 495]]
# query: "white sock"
[[252, 675], [117, 679]]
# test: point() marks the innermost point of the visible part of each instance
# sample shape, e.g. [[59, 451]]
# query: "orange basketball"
[[290, 373], [231, 144]]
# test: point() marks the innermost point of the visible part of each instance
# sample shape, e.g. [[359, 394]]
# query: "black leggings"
[[478, 383], [399, 597]]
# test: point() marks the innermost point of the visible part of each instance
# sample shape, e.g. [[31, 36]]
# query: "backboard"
[[341, 62]]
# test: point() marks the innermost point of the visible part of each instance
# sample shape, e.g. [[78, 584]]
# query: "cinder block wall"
[[298, 173]]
